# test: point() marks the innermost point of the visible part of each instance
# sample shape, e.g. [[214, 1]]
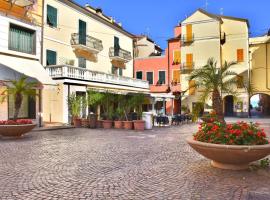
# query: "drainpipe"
[[42, 34], [168, 69], [266, 61]]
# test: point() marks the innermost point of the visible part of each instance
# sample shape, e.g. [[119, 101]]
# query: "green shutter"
[[51, 16], [82, 32], [116, 46], [162, 77], [21, 39], [150, 77], [82, 62], [51, 57], [139, 75], [120, 72]]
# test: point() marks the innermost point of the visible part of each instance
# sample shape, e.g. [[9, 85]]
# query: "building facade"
[[162, 72], [223, 38], [20, 53], [86, 51]]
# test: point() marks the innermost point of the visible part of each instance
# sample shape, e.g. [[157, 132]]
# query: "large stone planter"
[[15, 130], [233, 157]]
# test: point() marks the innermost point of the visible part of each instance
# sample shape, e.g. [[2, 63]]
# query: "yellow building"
[[260, 70], [224, 38], [20, 52], [85, 49]]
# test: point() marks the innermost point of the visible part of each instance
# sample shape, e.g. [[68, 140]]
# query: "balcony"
[[187, 68], [186, 40], [22, 3], [120, 55], [87, 43], [76, 73], [175, 87]]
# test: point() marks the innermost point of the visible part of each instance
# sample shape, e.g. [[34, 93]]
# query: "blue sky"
[[158, 17]]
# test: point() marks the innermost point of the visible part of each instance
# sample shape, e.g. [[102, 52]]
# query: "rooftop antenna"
[[148, 31], [206, 4], [221, 11]]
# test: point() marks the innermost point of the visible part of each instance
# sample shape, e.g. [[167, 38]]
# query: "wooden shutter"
[[177, 56], [82, 32], [189, 32], [149, 76], [120, 72], [240, 82], [189, 60], [51, 16], [51, 57], [176, 76], [116, 46], [240, 55], [191, 88]]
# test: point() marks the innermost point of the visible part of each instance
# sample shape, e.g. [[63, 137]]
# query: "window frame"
[[47, 56], [164, 77], [34, 36], [57, 16], [153, 81]]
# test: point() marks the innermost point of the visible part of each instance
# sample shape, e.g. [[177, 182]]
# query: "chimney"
[[268, 34], [99, 11], [177, 31]]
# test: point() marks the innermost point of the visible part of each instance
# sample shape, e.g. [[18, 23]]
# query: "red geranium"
[[17, 122]]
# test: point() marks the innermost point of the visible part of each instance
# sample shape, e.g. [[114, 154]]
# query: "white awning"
[[13, 68]]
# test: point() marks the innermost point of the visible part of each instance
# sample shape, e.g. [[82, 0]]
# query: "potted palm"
[[127, 105], [137, 101], [118, 122], [84, 120], [75, 103], [94, 99], [18, 89], [108, 110]]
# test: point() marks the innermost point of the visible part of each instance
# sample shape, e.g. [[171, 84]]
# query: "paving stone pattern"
[[110, 164]]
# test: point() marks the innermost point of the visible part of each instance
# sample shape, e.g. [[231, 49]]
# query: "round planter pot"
[[107, 124], [128, 125], [139, 125], [77, 122], [99, 124], [93, 121], [85, 123], [233, 157], [118, 124], [15, 130]]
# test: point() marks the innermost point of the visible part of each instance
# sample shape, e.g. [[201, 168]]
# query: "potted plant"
[[75, 103], [94, 99], [18, 89], [84, 120], [118, 122], [230, 146], [137, 101], [107, 101], [127, 104]]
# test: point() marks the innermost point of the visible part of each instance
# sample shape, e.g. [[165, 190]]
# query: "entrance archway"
[[260, 105], [228, 106]]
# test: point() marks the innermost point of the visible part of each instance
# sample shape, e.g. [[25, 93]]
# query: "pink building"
[[163, 74]]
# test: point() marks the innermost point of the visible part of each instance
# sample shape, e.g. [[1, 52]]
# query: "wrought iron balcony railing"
[[187, 39]]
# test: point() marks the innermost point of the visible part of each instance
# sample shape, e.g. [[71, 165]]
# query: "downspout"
[[266, 61], [168, 46]]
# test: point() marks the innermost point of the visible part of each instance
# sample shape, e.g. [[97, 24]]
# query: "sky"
[[157, 18]]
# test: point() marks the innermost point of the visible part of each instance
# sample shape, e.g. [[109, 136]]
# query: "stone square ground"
[[110, 164]]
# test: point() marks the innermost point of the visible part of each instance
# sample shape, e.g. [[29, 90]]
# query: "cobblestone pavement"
[[98, 164]]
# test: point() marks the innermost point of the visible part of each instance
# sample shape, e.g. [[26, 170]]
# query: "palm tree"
[[18, 89], [214, 81]]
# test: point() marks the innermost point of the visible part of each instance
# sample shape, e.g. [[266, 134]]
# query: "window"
[[116, 46], [189, 32], [177, 56], [149, 76], [82, 32], [191, 85], [51, 57], [120, 72], [240, 55], [176, 76], [21, 39], [51, 16], [82, 62], [139, 75], [161, 77], [114, 70], [189, 60], [240, 82]]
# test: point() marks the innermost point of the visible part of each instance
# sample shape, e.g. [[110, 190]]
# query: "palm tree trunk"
[[218, 104], [17, 104]]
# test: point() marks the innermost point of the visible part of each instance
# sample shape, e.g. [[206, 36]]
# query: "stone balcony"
[[23, 3], [82, 74], [120, 55]]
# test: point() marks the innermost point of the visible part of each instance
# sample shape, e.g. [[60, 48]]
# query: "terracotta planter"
[[16, 130], [118, 124], [77, 122], [233, 157], [93, 121], [85, 123], [139, 125], [99, 124], [128, 125], [107, 124]]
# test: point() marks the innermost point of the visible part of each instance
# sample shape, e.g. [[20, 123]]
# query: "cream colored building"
[[223, 38], [145, 47], [20, 53], [83, 49]]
